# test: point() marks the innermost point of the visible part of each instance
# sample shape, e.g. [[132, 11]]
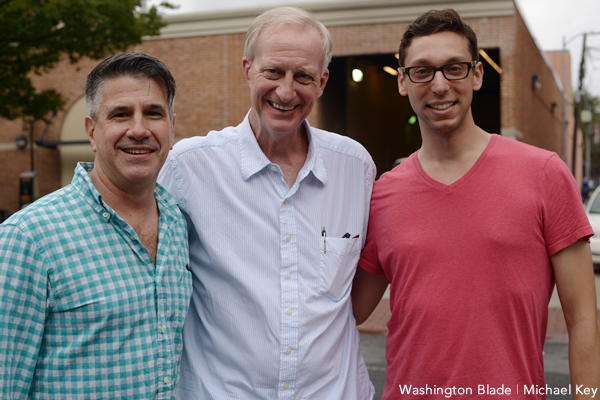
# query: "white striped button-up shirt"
[[271, 316]]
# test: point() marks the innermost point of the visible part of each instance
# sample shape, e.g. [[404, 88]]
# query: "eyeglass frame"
[[472, 64]]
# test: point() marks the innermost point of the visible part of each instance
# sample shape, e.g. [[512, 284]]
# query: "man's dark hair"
[[134, 64], [436, 21]]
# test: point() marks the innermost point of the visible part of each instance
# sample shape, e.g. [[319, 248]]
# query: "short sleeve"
[[563, 213], [369, 257]]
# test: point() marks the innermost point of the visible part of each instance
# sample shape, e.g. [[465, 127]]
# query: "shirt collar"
[[84, 185], [253, 160]]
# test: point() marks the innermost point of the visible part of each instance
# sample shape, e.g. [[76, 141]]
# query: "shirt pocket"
[[338, 260]]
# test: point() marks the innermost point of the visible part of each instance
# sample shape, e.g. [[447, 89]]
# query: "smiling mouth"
[[135, 151], [280, 107], [441, 106]]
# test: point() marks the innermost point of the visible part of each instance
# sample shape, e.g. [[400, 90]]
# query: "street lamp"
[[20, 141]]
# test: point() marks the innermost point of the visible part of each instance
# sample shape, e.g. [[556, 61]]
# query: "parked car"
[[592, 209]]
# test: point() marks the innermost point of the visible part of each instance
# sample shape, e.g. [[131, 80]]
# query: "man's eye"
[[304, 78], [422, 71]]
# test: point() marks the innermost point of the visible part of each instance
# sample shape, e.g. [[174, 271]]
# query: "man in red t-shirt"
[[472, 231]]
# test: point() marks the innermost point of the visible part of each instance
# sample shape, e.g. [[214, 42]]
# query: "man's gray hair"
[[281, 17], [134, 64]]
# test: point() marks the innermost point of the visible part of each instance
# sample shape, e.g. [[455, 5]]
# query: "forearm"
[[574, 276], [367, 290], [584, 359]]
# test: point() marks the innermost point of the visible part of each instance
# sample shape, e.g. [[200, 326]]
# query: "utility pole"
[[578, 109], [31, 143]]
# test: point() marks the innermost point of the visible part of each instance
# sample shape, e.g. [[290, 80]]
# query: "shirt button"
[[288, 351], [106, 215], [289, 313], [285, 201], [163, 329], [273, 168], [288, 239], [166, 379], [288, 276], [286, 386]]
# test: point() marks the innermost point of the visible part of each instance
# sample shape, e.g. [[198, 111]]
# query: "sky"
[[549, 21]]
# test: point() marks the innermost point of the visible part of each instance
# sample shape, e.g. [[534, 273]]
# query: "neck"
[[280, 145], [448, 156], [286, 149], [127, 202], [455, 144]]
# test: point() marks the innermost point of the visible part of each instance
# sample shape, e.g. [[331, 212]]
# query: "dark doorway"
[[373, 112]]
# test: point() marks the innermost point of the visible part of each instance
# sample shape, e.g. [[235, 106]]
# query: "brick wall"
[[212, 91]]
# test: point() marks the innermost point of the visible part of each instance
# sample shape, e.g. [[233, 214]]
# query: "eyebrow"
[[302, 69], [424, 61], [117, 109], [156, 107], [151, 107]]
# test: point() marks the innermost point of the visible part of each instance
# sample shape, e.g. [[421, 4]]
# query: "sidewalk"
[[556, 332]]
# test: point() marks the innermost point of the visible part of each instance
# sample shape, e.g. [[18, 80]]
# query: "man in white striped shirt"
[[277, 213]]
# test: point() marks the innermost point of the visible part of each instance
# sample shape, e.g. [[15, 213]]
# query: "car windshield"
[[595, 208]]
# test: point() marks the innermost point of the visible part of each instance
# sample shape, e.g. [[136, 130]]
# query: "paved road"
[[555, 363]]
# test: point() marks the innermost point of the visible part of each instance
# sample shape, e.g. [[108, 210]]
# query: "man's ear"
[[323, 81], [478, 76], [401, 82], [172, 136], [246, 64], [90, 130]]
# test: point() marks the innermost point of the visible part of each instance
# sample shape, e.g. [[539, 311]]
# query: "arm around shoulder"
[[576, 288], [367, 289]]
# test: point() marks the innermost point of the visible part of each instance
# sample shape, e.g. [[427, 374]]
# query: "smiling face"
[[285, 79], [441, 105], [133, 133]]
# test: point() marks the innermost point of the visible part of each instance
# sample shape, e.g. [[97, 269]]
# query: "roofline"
[[330, 13]]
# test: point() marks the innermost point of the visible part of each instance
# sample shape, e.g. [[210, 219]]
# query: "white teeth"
[[280, 107], [137, 151], [441, 106]]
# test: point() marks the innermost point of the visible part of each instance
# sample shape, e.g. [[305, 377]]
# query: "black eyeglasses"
[[452, 71]]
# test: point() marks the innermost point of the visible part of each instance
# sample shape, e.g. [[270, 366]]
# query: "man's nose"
[[439, 82], [287, 89], [139, 127]]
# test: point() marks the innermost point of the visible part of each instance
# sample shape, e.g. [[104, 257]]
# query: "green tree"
[[36, 34]]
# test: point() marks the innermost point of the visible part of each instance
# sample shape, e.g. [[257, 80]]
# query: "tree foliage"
[[36, 34]]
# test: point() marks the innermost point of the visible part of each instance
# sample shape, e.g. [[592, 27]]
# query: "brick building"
[[521, 98]]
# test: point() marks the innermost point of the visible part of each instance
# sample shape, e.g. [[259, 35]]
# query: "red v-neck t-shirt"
[[469, 265]]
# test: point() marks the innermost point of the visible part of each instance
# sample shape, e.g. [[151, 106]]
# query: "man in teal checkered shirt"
[[94, 278]]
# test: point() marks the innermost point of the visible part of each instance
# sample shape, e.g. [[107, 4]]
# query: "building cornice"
[[331, 13]]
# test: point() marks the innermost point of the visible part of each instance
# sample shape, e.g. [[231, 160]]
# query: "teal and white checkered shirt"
[[84, 314]]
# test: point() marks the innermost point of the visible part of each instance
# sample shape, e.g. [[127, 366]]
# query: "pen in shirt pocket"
[[347, 236]]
